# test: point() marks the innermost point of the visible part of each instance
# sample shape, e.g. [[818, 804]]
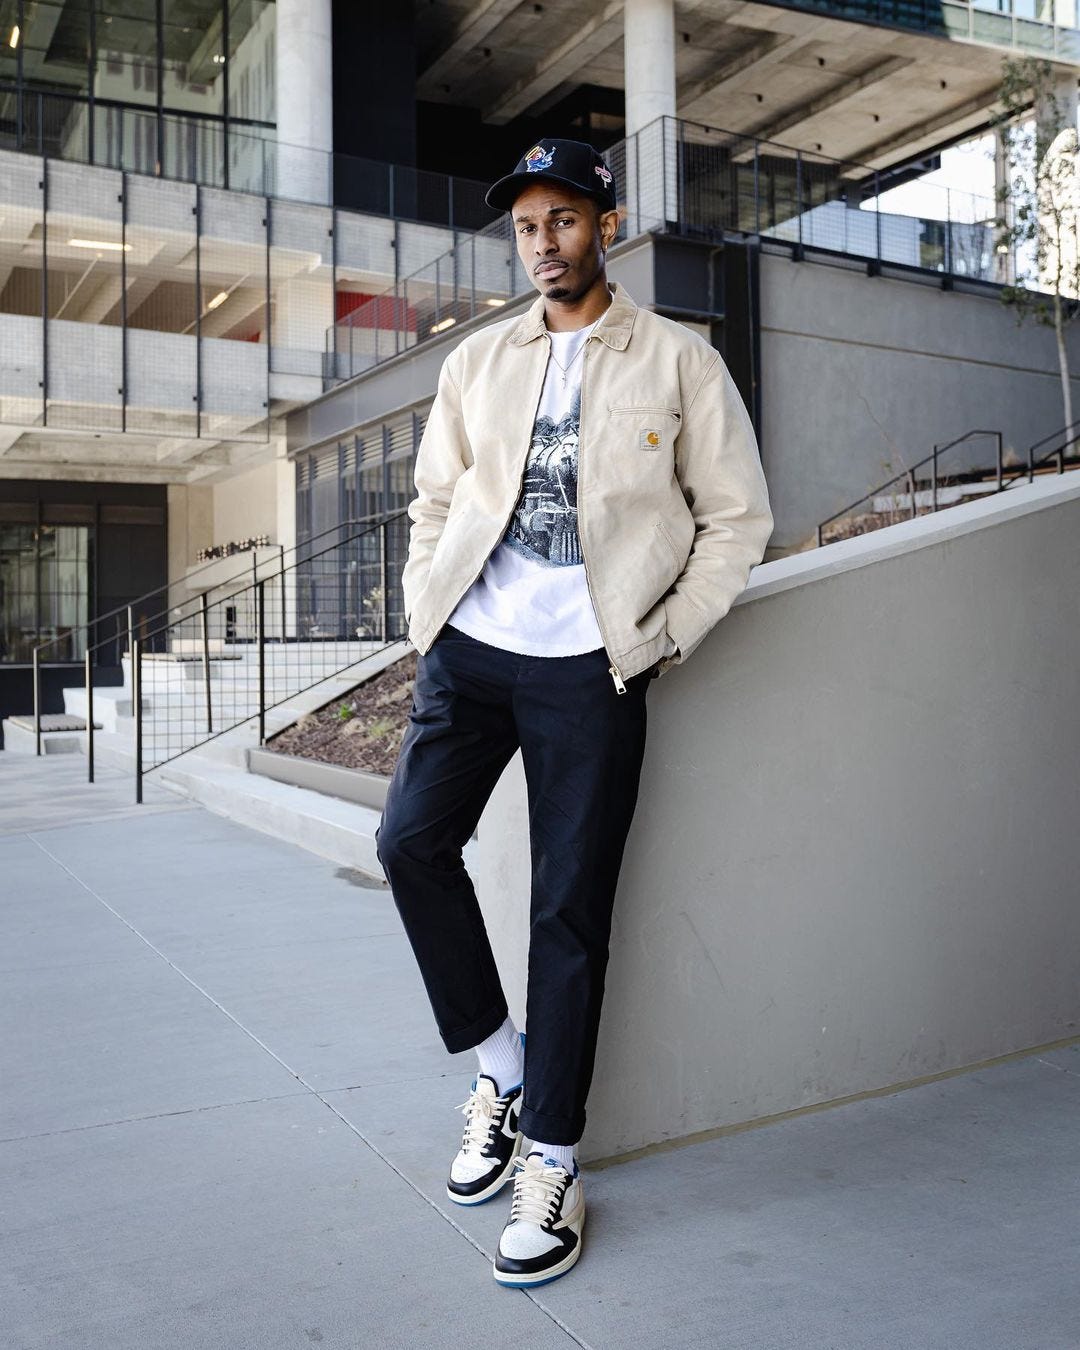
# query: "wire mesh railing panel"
[[22, 372], [234, 327], [163, 305], [245, 651], [84, 267], [301, 285]]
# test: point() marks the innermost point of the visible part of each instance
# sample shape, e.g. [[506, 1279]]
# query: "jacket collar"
[[615, 326]]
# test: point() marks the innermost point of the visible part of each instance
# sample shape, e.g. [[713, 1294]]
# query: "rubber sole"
[[509, 1281]]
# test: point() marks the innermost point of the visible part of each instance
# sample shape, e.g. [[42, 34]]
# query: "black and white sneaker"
[[542, 1238], [489, 1145]]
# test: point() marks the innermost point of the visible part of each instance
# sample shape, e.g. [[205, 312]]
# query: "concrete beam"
[[592, 37], [925, 135], [482, 19], [754, 56], [838, 94]]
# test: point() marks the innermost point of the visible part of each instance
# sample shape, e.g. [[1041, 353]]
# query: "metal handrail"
[[129, 607], [255, 588], [1071, 433]]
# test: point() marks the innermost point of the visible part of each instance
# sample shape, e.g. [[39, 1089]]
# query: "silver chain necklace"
[[566, 369]]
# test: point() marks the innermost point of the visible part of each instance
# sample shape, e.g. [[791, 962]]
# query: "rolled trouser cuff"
[[480, 1030], [549, 1129]]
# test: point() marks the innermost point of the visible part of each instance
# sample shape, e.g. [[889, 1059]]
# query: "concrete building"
[[229, 265]]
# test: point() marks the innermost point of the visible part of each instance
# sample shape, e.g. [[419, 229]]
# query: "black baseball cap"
[[572, 163]]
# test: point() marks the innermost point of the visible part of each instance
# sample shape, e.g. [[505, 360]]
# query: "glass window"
[[56, 46], [64, 589], [44, 590], [18, 592], [126, 65], [10, 41], [193, 53], [251, 60]]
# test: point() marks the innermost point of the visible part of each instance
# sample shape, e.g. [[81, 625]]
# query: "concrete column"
[[651, 144], [304, 99]]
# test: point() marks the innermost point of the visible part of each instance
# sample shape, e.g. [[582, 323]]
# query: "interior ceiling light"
[[106, 245], [218, 299], [13, 40], [441, 327], [491, 300]]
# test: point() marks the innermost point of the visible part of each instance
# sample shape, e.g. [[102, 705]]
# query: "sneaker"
[[542, 1238], [490, 1144]]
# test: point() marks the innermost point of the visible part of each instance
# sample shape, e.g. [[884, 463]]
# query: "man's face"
[[561, 236]]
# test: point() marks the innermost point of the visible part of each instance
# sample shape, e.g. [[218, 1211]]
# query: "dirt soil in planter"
[[361, 730]]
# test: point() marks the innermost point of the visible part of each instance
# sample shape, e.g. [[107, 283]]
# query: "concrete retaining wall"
[[855, 858]]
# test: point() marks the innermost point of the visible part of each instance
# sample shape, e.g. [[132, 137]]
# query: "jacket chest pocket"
[[645, 426]]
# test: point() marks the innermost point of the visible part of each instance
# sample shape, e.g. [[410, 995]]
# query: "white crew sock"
[[502, 1057], [562, 1153]]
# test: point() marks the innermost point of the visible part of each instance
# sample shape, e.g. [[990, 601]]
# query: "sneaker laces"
[[536, 1190], [480, 1109]]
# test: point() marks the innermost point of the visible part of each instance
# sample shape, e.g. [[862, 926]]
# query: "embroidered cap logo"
[[539, 159]]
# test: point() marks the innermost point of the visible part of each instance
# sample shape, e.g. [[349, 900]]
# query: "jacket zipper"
[[613, 669]]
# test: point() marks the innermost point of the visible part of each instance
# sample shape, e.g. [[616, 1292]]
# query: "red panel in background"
[[374, 311]]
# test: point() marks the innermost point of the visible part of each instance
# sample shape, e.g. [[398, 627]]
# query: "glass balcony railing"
[[1034, 27]]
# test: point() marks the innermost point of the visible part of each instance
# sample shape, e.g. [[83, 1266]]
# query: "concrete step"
[[20, 740], [111, 703]]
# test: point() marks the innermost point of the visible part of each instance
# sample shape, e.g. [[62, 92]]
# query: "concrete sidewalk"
[[226, 1119]]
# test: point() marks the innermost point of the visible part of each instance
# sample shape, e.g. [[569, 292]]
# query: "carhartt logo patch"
[[651, 439]]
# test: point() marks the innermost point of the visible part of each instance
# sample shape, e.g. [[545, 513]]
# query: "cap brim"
[[502, 195]]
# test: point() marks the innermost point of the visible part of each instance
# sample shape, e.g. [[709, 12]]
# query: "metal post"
[[997, 436], [877, 215], [130, 630], [281, 583], [89, 719], [136, 699], [261, 615], [757, 186], [798, 197], [385, 580], [37, 701], [935, 478], [911, 489], [205, 615]]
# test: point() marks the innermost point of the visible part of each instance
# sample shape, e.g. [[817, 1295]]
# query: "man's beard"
[[560, 291]]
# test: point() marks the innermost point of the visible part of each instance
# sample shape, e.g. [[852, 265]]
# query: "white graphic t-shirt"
[[532, 596]]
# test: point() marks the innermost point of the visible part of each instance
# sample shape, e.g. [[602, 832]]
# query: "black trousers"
[[582, 746]]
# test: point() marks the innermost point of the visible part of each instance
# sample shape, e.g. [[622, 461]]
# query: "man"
[[590, 502]]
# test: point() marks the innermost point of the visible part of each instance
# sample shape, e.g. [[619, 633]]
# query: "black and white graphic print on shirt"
[[544, 523]]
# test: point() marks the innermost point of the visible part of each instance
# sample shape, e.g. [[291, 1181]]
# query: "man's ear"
[[609, 227]]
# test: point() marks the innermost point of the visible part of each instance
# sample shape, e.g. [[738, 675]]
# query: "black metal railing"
[[248, 652], [685, 178], [134, 617], [975, 478], [239, 157]]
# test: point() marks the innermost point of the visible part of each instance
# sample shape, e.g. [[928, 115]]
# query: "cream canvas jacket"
[[672, 504]]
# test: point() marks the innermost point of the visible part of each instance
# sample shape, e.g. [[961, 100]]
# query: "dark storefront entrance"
[[69, 553]]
